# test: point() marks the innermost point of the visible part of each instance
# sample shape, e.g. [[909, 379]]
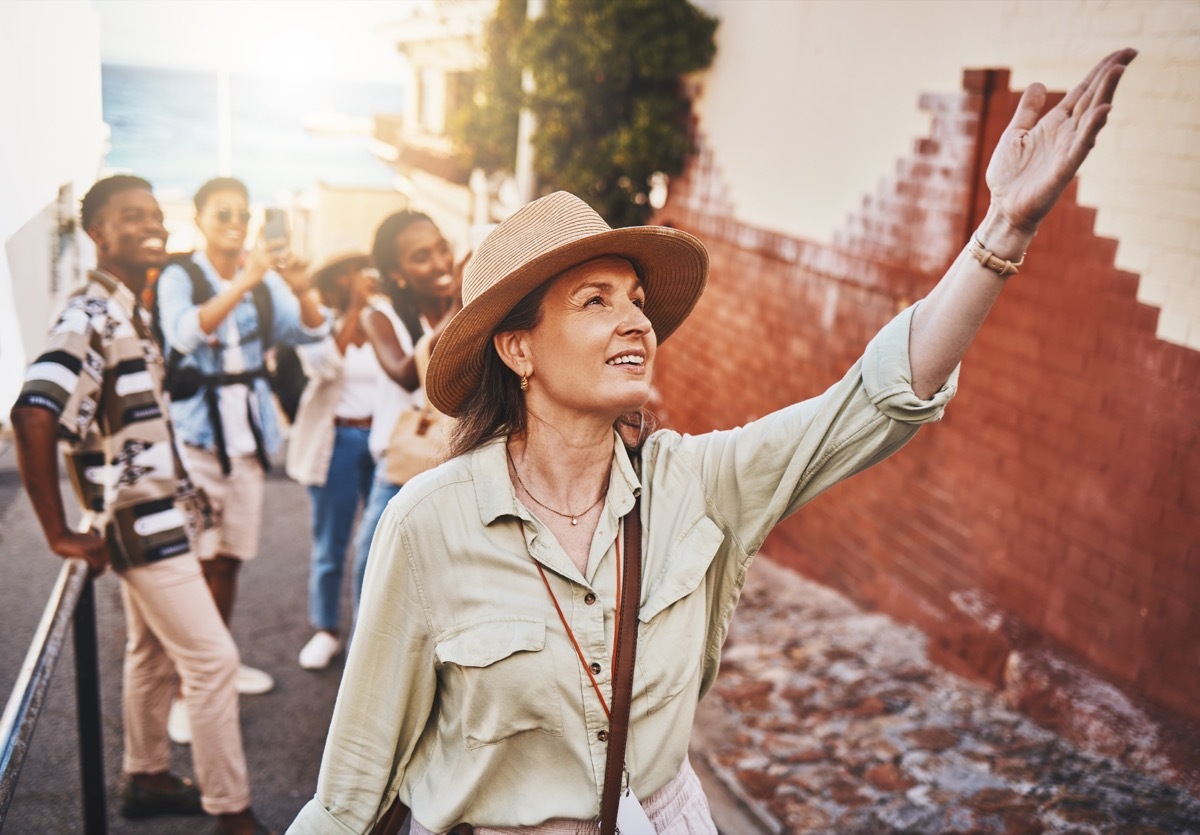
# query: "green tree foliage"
[[608, 99], [487, 130]]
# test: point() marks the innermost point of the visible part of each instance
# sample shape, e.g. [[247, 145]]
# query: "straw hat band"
[[545, 232]]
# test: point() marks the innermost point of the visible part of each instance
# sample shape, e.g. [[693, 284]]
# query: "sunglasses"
[[226, 215]]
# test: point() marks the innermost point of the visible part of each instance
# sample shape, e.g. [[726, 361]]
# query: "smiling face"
[[223, 221], [425, 261], [129, 235], [593, 350]]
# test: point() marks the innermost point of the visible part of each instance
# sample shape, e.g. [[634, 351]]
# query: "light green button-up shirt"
[[462, 691]]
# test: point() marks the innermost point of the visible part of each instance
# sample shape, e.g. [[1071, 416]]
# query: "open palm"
[[1036, 159]]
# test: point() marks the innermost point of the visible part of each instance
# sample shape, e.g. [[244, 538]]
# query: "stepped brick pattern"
[[1057, 504]]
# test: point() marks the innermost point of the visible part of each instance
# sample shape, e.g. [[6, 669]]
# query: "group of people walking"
[[156, 377], [542, 612]]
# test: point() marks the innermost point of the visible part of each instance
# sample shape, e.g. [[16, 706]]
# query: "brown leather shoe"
[[138, 801]]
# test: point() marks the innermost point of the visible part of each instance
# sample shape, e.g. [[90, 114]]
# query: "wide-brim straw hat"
[[533, 245]]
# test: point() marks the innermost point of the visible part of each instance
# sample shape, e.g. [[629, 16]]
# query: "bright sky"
[[288, 38]]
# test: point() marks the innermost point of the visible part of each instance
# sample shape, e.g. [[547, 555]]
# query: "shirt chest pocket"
[[674, 619], [500, 680]]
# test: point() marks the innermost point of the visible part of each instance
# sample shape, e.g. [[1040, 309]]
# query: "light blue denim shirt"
[[181, 329]]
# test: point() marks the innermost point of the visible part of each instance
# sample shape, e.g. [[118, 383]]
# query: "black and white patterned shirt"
[[101, 375]]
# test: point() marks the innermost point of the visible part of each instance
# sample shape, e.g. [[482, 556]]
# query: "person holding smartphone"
[[227, 425], [96, 390]]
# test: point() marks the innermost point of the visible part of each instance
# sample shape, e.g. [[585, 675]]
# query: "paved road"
[[825, 718], [284, 731]]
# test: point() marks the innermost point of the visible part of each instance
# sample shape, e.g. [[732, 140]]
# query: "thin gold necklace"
[[574, 517]]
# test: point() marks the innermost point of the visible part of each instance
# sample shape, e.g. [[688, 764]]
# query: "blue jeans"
[[333, 507], [382, 492]]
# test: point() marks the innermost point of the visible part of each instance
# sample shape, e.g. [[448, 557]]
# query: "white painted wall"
[[809, 103], [53, 135]]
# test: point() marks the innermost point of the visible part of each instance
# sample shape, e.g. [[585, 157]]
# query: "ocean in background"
[[164, 128]]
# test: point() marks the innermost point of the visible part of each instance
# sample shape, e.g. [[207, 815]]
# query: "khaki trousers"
[[174, 628]]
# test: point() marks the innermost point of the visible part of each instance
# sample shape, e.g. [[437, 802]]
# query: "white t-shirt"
[[361, 377], [234, 400]]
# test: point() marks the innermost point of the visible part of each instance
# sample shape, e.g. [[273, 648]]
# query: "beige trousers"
[[174, 628]]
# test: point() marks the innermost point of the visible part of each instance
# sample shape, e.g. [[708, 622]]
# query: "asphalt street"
[[284, 731], [825, 718]]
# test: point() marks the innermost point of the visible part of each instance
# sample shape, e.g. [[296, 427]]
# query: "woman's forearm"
[[946, 322], [393, 359], [350, 330]]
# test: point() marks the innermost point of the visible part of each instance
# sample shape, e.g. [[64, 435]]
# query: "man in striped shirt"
[[97, 389]]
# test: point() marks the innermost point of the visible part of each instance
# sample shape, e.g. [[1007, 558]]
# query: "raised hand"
[[294, 271], [1036, 159]]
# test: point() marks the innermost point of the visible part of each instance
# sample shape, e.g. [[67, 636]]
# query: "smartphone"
[[275, 230]]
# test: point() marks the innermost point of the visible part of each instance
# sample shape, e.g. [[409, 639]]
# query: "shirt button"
[[589, 598], [595, 667], [602, 736]]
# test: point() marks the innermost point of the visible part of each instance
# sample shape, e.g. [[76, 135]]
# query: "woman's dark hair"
[[102, 191], [387, 261], [496, 407], [219, 184]]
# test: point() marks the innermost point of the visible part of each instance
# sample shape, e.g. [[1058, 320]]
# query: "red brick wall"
[[1064, 481]]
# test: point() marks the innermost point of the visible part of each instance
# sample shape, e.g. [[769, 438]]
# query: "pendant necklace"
[[574, 517]]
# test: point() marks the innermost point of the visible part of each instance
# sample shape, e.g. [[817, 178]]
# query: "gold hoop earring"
[[524, 382]]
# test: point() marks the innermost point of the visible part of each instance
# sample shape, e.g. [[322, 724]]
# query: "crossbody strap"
[[622, 696]]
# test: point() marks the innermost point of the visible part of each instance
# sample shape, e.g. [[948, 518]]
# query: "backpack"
[[287, 377]]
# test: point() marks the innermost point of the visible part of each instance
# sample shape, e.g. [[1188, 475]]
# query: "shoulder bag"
[[420, 437]]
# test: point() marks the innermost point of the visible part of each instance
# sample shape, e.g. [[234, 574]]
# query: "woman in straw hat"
[[478, 688]]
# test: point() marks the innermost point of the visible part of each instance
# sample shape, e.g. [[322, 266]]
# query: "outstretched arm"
[[1031, 166]]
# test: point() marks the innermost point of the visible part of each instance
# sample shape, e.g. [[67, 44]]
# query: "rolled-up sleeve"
[[180, 318], [760, 473], [386, 695]]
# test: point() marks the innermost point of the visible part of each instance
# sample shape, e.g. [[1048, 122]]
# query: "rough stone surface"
[[826, 718]]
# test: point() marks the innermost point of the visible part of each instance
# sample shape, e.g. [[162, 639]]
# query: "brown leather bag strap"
[[622, 696]]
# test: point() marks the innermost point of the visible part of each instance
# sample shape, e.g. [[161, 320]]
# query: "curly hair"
[[102, 191]]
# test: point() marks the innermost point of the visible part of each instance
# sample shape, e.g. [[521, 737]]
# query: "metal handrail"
[[72, 602]]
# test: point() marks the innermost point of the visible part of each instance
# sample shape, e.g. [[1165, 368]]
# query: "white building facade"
[[51, 151]]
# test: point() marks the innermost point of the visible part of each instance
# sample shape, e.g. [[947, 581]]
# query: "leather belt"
[[353, 423]]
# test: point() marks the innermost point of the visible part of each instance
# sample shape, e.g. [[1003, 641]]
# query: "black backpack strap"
[[266, 313], [202, 291]]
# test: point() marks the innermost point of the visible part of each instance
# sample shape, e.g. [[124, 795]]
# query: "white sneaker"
[[252, 682], [179, 725], [319, 651]]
